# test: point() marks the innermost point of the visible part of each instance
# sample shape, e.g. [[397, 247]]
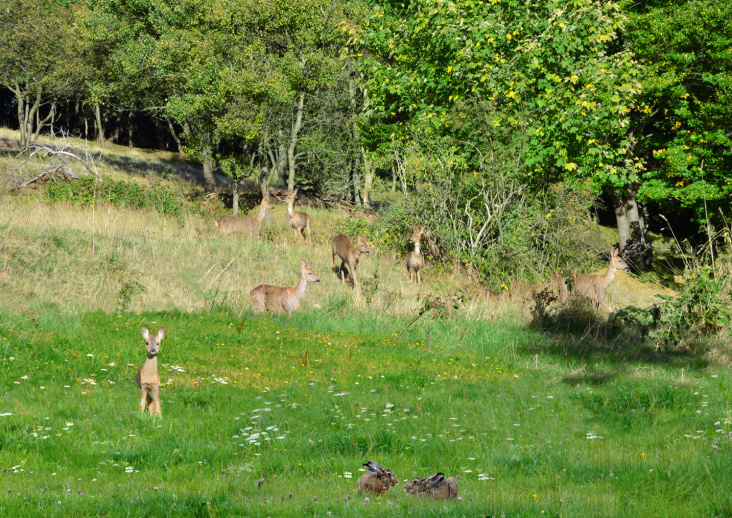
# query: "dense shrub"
[[88, 191]]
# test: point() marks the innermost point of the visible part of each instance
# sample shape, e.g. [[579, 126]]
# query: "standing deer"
[[592, 286], [298, 220], [348, 254], [274, 298], [244, 224], [415, 259], [148, 377]]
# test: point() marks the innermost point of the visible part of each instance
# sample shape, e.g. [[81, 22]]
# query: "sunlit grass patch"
[[274, 416]]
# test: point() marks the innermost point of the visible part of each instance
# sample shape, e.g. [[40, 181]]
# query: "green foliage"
[[88, 191], [684, 114], [699, 311], [545, 84]]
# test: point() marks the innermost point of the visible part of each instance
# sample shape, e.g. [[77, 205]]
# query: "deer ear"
[[145, 333], [161, 333], [310, 264], [302, 264]]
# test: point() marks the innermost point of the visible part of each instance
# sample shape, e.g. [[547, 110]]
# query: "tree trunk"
[[393, 178], [368, 166], [41, 123], [21, 112], [208, 177], [621, 220], [131, 129], [635, 249], [355, 169], [293, 143], [100, 126], [648, 255], [263, 178], [174, 134], [235, 196]]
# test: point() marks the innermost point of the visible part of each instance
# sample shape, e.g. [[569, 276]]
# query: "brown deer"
[[274, 298], [244, 224], [298, 220], [415, 259], [148, 377], [349, 254], [592, 286]]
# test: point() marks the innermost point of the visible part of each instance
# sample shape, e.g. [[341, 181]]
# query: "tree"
[[37, 59], [535, 93], [683, 121]]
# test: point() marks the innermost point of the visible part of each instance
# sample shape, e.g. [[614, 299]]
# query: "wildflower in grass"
[[260, 482]]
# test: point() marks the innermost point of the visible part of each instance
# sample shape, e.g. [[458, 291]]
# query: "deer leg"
[[419, 277], [310, 238], [143, 397], [156, 399], [343, 273]]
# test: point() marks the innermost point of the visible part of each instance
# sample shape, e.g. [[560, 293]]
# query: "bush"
[[699, 311], [87, 191]]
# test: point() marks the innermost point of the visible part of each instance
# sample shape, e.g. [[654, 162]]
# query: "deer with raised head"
[[298, 220], [148, 377], [244, 224], [592, 287], [275, 298], [415, 259], [349, 255]]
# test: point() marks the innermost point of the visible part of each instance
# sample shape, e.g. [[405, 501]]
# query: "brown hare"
[[378, 480], [436, 486]]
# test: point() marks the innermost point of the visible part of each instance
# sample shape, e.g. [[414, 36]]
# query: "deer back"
[[246, 225]]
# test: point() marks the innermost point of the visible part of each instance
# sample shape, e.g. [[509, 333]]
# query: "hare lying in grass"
[[378, 480], [435, 486]]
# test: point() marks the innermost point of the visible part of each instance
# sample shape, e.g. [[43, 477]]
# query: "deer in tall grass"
[[415, 259], [275, 298], [348, 254], [298, 220], [244, 224], [592, 287], [148, 377]]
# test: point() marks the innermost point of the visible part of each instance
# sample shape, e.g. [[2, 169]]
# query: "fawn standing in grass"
[[244, 224], [592, 286], [415, 259], [148, 377], [298, 220], [274, 298], [349, 254]]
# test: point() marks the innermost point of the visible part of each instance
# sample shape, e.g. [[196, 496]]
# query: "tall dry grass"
[[113, 259]]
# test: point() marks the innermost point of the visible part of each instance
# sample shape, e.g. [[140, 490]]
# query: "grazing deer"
[[349, 254], [592, 286], [148, 377], [274, 298], [298, 220], [415, 259], [244, 224]]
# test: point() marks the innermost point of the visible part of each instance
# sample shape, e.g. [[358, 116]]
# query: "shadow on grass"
[[577, 331]]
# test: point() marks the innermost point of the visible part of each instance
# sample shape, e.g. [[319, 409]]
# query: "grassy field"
[[274, 416]]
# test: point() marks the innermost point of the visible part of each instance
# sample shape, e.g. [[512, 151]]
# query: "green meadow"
[[273, 416], [270, 415]]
